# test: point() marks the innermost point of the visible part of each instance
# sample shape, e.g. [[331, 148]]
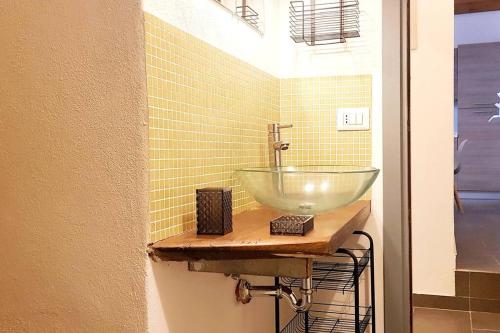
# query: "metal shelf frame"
[[324, 23], [336, 275]]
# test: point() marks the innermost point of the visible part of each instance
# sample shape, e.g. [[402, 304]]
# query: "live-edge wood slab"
[[251, 239]]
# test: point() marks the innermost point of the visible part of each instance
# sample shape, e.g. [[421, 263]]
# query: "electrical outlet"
[[353, 119]]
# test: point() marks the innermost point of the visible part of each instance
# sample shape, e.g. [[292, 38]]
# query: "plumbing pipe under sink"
[[245, 292]]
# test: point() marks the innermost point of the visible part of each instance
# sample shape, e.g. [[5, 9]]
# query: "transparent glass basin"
[[307, 189]]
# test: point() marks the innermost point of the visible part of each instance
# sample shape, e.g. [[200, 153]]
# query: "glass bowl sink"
[[307, 189]]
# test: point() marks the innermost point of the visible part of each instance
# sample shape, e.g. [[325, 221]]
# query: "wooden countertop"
[[251, 239]]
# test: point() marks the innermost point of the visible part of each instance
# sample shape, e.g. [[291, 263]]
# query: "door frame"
[[396, 163]]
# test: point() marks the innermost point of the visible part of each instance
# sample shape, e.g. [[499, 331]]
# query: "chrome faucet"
[[276, 145]]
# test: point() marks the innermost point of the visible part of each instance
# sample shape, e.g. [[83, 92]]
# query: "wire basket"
[[336, 275], [249, 15], [329, 318], [325, 23]]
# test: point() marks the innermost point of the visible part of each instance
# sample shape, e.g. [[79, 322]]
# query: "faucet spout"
[[276, 145], [280, 145]]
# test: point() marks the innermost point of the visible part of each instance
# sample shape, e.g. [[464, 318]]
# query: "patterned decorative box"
[[214, 212], [296, 225]]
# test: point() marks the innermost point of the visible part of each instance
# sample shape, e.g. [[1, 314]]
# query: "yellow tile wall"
[[310, 104], [208, 115]]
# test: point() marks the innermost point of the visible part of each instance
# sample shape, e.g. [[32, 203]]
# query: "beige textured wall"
[[73, 162]]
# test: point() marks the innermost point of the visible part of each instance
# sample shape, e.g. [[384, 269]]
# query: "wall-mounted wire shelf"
[[244, 13], [249, 15], [329, 318], [336, 275], [324, 23]]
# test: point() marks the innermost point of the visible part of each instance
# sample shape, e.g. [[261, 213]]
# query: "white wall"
[[432, 149], [477, 28], [182, 301], [212, 23], [357, 56], [277, 54]]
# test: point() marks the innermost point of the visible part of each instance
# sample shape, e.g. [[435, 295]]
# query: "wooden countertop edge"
[[251, 251]]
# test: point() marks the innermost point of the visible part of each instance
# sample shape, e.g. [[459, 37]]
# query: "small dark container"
[[214, 211], [296, 225]]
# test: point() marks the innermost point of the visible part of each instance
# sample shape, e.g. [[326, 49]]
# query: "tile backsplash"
[[208, 115], [310, 105]]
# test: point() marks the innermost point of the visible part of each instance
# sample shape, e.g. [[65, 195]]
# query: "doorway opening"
[[477, 141], [469, 299]]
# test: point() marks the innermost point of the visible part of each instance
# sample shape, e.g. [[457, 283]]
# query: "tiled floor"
[[447, 321], [477, 234]]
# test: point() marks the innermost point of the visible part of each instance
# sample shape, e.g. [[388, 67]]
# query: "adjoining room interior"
[[477, 139], [471, 303]]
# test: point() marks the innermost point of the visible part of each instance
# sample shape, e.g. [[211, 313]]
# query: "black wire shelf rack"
[[329, 318], [332, 22], [338, 275]]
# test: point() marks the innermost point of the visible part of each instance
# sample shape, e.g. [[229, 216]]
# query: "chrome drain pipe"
[[245, 292]]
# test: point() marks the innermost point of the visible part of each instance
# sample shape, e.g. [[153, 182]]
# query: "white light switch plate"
[[353, 119]]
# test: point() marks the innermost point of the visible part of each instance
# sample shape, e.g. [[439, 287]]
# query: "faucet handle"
[[273, 128]]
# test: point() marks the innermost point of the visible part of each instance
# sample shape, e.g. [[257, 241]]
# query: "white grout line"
[[470, 320], [423, 307]]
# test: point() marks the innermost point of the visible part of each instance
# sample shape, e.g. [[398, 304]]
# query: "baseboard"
[[475, 291], [441, 302]]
